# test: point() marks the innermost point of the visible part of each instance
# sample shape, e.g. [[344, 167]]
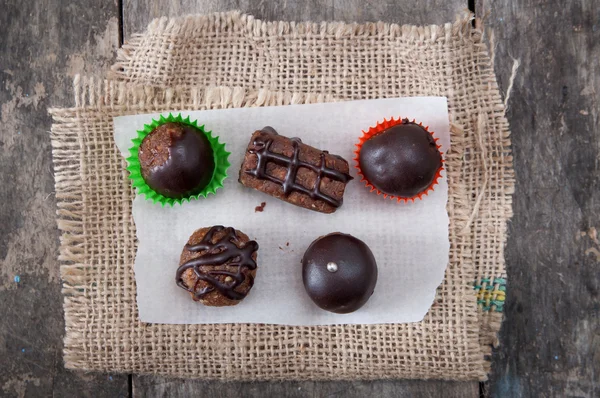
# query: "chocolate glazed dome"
[[339, 272], [402, 160], [176, 160]]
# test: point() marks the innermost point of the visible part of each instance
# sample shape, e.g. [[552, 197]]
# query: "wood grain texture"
[[42, 45], [550, 338], [138, 13], [158, 387]]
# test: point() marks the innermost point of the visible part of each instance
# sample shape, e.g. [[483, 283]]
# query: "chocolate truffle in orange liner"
[[399, 159]]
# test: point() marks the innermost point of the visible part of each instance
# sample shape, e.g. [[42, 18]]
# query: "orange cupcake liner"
[[380, 127]]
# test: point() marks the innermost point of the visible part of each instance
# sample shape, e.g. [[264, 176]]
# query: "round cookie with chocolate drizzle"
[[218, 266]]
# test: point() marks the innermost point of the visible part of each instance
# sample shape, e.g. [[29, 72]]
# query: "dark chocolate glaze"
[[401, 161], [269, 130], [188, 169], [222, 252], [346, 289], [262, 151]]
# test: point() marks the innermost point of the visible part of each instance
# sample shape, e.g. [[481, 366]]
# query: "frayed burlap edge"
[[106, 99], [194, 25], [491, 193], [137, 99]]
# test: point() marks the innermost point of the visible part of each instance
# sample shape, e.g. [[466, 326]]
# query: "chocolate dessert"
[[294, 172], [339, 272], [218, 266], [176, 160], [402, 160]]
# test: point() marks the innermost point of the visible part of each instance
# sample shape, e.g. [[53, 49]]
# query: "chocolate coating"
[[401, 161], [218, 266], [294, 172], [176, 160], [339, 272]]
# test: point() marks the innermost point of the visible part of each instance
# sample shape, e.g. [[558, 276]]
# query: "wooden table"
[[550, 339]]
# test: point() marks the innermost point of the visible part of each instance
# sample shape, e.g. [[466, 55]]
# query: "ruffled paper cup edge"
[[135, 174], [380, 127]]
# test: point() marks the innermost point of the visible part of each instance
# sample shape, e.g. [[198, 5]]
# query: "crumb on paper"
[[261, 208]]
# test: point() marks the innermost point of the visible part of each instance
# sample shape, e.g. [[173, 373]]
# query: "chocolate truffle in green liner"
[[173, 160], [176, 160]]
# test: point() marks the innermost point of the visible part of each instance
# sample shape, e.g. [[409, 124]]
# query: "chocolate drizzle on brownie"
[[262, 144], [223, 252]]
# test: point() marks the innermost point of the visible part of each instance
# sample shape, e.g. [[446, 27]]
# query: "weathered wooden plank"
[[550, 339], [42, 44], [159, 387], [429, 12], [138, 13]]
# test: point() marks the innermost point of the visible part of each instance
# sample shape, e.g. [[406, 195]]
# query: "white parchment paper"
[[409, 241]]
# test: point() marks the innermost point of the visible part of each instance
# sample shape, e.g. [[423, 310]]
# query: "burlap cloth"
[[233, 60]]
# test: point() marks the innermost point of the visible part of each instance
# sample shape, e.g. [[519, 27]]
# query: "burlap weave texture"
[[233, 60]]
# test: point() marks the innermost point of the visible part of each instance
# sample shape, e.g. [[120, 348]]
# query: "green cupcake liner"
[[135, 172]]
